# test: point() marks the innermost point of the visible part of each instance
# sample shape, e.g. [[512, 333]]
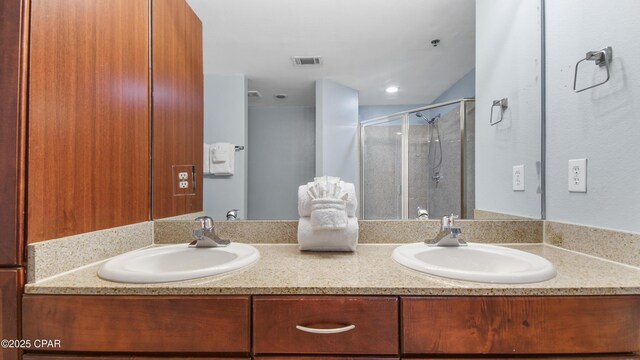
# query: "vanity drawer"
[[521, 325], [145, 324], [352, 325]]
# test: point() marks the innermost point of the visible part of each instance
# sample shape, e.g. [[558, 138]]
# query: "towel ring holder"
[[503, 104], [602, 58]]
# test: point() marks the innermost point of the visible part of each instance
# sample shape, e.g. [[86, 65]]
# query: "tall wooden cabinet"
[[178, 107], [12, 169], [88, 127], [112, 90], [12, 117]]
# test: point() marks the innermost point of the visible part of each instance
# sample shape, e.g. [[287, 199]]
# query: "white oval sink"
[[176, 263], [476, 262]]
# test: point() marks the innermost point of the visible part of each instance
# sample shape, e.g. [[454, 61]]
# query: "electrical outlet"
[[183, 180], [518, 178], [577, 178]]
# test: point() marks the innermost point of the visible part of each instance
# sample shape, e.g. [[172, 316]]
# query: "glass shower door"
[[434, 162], [382, 169]]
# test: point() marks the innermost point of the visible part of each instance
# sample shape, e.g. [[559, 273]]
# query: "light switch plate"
[[577, 178], [518, 178]]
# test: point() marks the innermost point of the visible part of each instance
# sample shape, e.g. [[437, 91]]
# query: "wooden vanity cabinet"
[[521, 325], [373, 327]]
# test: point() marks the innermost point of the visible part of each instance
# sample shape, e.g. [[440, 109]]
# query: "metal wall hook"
[[601, 57], [503, 104]]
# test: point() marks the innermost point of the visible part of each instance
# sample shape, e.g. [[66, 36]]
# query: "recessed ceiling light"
[[392, 89]]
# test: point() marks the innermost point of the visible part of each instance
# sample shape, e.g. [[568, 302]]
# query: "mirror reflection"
[[394, 97]]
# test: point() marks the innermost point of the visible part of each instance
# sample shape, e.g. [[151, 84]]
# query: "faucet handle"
[[447, 221], [206, 223], [423, 214], [232, 214]]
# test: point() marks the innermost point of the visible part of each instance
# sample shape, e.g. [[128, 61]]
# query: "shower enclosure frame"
[[404, 187]]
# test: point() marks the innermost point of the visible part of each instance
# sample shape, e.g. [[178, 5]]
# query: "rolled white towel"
[[327, 240], [328, 214], [304, 199]]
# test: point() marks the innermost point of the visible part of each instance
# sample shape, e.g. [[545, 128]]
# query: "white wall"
[[508, 43], [336, 131], [601, 124], [282, 143], [225, 120], [465, 87]]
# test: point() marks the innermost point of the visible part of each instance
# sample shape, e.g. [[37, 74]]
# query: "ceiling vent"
[[306, 60], [254, 94]]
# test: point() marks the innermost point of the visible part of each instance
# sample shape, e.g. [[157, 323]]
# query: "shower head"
[[433, 119]]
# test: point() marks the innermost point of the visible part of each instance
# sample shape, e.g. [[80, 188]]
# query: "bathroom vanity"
[[383, 325], [320, 305]]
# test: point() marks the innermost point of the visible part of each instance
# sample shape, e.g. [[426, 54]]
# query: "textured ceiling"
[[365, 44]]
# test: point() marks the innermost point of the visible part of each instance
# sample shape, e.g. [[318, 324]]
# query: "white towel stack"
[[327, 209], [219, 159]]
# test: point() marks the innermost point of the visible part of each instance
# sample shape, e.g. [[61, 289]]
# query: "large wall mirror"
[[432, 104]]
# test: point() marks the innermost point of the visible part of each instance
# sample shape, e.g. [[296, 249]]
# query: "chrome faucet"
[[448, 235], [201, 238], [232, 214], [423, 214]]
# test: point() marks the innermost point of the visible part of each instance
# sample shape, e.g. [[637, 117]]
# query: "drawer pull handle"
[[325, 331]]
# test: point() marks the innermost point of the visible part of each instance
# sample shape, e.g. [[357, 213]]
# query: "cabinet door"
[[88, 116], [178, 92], [139, 324], [10, 289], [521, 325]]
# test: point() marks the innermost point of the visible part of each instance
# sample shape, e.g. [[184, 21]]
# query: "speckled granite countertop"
[[283, 269]]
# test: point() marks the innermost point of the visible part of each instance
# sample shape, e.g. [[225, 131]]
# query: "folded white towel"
[[328, 214], [327, 240], [304, 199], [206, 159], [222, 152], [222, 159]]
